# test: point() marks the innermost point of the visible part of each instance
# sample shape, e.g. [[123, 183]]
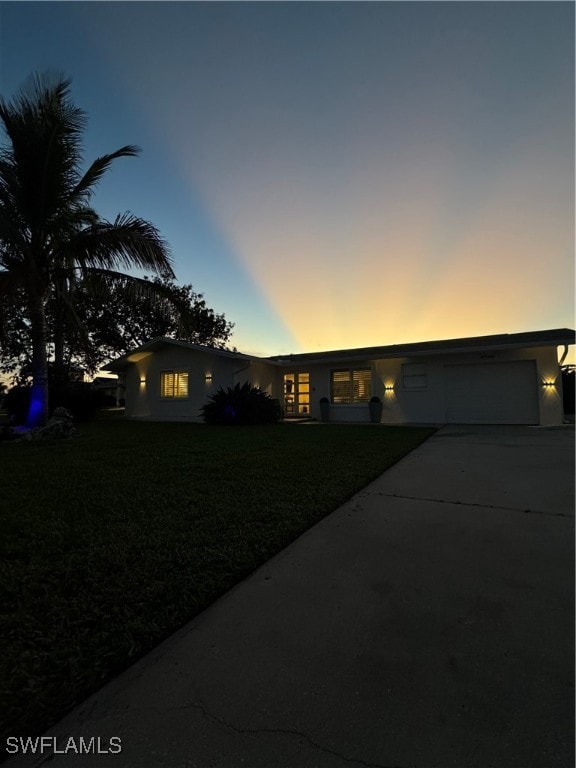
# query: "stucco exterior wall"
[[143, 383], [429, 405], [143, 398], [265, 376], [549, 397], [320, 387]]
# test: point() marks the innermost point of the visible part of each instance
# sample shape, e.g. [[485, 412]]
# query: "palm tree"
[[50, 237]]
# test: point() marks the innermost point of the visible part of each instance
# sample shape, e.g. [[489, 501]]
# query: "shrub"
[[77, 397], [568, 379], [16, 403], [241, 404]]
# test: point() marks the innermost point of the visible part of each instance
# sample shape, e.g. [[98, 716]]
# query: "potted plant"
[[324, 409], [375, 408]]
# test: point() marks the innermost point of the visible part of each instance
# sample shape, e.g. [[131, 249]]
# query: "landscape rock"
[[59, 426]]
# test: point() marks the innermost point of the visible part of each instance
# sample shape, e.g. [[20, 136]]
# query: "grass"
[[111, 541]]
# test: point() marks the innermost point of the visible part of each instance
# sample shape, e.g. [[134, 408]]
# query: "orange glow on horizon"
[[369, 266]]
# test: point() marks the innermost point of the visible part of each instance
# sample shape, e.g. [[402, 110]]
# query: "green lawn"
[[112, 540]]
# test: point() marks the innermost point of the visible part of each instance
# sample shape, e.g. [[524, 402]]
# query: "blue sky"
[[333, 174]]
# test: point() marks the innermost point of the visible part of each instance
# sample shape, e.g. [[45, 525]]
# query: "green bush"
[[241, 404]]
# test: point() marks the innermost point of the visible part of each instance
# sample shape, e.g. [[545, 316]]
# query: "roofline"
[[505, 341], [121, 363], [554, 337]]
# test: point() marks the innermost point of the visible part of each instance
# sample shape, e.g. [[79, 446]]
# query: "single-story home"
[[501, 379]]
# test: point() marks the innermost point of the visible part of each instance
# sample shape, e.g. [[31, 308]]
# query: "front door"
[[296, 395]]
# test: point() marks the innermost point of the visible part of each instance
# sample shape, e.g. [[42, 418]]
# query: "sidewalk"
[[427, 623]]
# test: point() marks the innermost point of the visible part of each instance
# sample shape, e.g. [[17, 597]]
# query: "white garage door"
[[492, 393]]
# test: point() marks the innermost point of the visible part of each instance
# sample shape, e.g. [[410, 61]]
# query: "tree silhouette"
[[51, 239]]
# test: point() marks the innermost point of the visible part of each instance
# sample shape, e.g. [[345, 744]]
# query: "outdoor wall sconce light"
[[208, 378], [142, 380], [389, 388], [548, 384]]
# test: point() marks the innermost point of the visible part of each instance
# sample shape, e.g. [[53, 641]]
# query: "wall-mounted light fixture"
[[389, 388], [208, 378], [142, 380], [548, 384]]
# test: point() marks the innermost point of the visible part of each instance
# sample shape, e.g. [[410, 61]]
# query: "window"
[[174, 384], [296, 394], [351, 386], [414, 376]]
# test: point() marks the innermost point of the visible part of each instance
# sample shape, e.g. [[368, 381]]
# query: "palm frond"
[[130, 288], [128, 242], [44, 128], [52, 242], [85, 186]]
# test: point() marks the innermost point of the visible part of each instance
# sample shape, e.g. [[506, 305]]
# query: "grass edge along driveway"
[[111, 541]]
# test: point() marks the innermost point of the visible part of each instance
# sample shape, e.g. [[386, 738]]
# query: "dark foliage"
[[78, 397], [52, 242], [16, 402], [568, 389], [111, 321], [241, 404]]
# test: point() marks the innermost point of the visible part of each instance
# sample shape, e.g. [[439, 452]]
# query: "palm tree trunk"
[[59, 371], [61, 296], [38, 410]]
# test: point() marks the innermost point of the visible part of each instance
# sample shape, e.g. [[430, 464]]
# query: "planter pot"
[[325, 411], [375, 412]]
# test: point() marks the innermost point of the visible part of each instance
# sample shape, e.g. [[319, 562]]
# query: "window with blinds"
[[351, 386], [174, 384]]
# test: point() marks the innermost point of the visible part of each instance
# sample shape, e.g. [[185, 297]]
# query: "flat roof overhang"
[[477, 344], [474, 345]]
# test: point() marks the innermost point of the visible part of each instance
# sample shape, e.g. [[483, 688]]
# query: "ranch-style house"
[[500, 379]]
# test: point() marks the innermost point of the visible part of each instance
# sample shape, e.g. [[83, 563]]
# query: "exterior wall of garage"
[[430, 403], [416, 389]]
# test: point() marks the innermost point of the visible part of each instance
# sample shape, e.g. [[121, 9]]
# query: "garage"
[[492, 393]]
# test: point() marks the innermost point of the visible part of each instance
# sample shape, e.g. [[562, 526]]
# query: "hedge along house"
[[502, 379]]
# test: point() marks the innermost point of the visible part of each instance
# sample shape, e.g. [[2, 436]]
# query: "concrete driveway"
[[427, 623]]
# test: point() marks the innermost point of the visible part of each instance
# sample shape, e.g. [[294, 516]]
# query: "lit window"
[[414, 376], [174, 384], [351, 386]]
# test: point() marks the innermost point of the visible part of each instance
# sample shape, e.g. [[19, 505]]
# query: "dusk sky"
[[328, 174]]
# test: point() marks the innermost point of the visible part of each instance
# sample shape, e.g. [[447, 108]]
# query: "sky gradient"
[[330, 174]]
